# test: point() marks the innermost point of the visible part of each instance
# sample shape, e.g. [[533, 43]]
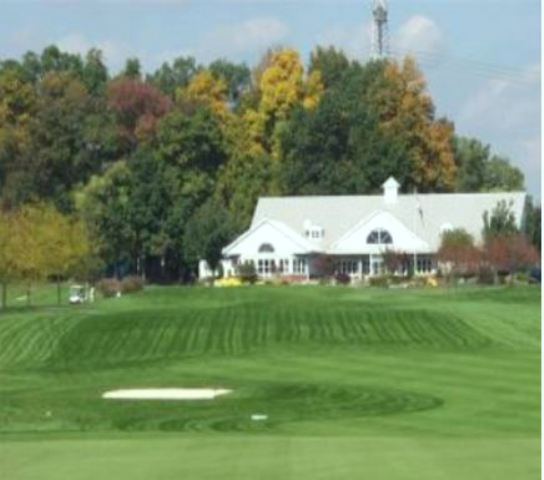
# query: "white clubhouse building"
[[288, 234]]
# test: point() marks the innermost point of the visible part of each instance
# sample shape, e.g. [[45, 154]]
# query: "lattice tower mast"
[[380, 30]]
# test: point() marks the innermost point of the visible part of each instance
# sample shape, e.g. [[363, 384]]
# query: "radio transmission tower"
[[380, 31]]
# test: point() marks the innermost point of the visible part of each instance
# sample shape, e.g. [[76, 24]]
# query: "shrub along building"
[[296, 236]]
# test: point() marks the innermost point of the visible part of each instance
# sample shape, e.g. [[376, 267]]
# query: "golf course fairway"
[[347, 383]]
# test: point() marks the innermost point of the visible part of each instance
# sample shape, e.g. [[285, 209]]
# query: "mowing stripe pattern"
[[140, 337]]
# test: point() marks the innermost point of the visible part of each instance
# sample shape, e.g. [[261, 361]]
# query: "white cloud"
[[418, 34], [506, 100], [355, 41], [250, 36], [505, 111]]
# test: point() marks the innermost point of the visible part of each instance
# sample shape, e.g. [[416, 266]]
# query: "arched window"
[[379, 237], [266, 248]]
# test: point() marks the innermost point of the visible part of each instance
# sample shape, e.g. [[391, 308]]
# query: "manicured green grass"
[[430, 384]]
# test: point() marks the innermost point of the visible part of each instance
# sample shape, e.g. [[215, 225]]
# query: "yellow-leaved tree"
[[204, 88], [7, 244], [279, 84], [46, 245], [406, 110]]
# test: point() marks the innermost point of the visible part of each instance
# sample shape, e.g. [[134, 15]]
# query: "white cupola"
[[390, 191]]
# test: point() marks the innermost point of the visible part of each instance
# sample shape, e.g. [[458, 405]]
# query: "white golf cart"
[[78, 294]]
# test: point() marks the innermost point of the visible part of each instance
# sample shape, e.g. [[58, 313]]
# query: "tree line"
[[161, 168], [39, 243], [506, 249]]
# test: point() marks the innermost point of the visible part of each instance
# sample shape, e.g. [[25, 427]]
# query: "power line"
[[470, 66]]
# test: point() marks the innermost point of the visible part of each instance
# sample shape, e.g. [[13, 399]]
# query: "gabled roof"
[[305, 245], [423, 214], [410, 241]]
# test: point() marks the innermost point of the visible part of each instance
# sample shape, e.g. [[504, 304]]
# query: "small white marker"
[[259, 417]]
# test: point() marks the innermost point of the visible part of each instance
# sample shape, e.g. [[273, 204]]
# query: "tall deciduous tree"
[[138, 106], [471, 157], [133, 69], [501, 221], [18, 104], [170, 77], [339, 147], [29, 252], [479, 171], [208, 231], [8, 242], [405, 109], [507, 254], [533, 223], [332, 65], [458, 253], [104, 204], [95, 73], [237, 77], [242, 180], [501, 176], [67, 142], [206, 90], [64, 241]]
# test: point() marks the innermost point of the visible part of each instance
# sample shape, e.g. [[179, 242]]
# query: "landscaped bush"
[[132, 284], [290, 279], [419, 282], [342, 279], [396, 280], [247, 273], [379, 281], [522, 277], [486, 276], [108, 287]]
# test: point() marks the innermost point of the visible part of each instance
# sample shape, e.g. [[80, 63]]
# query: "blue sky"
[[481, 57]]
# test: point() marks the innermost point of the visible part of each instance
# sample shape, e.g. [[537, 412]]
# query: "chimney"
[[390, 191]]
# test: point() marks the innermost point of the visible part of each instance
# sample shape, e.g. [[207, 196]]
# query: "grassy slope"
[[357, 383]]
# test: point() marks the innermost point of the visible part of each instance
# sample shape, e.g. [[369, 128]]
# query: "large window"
[[348, 267], [424, 265], [379, 237], [266, 248], [299, 265], [284, 265], [266, 267]]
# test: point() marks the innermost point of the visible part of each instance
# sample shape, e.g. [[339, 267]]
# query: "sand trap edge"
[[166, 394]]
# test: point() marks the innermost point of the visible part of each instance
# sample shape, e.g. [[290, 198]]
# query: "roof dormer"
[[312, 231], [390, 191]]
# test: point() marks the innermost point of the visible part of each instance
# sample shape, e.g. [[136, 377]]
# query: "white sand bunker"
[[166, 394]]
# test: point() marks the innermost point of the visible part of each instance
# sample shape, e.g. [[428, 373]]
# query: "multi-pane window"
[[379, 237], [424, 265], [377, 266], [283, 265], [266, 266], [317, 233], [299, 265], [314, 232], [349, 267]]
